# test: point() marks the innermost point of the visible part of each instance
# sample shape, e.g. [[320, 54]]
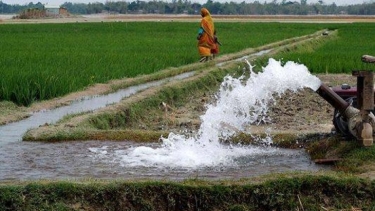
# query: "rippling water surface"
[[97, 159]]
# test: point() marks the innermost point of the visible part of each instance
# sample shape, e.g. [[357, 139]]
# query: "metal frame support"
[[365, 99]]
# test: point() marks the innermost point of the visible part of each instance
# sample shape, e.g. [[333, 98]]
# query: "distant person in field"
[[215, 49], [205, 37]]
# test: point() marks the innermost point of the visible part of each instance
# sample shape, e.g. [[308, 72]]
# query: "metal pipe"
[[359, 122], [332, 98]]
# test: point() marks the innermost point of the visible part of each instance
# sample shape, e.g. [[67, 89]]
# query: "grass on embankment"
[[301, 192], [351, 156]]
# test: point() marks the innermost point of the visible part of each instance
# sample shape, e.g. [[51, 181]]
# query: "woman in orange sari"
[[206, 40]]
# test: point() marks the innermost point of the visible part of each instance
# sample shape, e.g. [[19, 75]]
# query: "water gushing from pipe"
[[240, 103]]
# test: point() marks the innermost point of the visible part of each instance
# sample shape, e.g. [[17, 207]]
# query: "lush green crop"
[[43, 61], [341, 55]]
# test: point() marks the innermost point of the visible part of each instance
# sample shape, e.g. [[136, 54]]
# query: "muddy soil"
[[306, 110], [301, 112]]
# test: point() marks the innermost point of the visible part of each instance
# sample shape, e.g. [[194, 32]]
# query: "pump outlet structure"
[[354, 106]]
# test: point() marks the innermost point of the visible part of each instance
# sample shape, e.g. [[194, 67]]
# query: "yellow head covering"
[[207, 23]]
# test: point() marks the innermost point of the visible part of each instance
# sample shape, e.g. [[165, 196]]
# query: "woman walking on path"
[[206, 40]]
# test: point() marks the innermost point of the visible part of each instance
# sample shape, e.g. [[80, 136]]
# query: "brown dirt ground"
[[301, 112], [306, 110]]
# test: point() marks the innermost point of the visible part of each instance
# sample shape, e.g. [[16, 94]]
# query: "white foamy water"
[[240, 103]]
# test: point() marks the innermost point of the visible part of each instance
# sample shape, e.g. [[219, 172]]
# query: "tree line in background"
[[187, 7]]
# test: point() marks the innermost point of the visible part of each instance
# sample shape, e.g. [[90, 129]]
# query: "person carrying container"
[[215, 50]]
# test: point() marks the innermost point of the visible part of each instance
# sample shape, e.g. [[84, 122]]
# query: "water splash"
[[240, 103]]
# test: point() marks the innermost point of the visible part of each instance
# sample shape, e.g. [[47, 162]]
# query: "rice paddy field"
[[44, 61]]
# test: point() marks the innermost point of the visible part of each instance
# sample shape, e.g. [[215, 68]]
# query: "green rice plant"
[[341, 55]]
